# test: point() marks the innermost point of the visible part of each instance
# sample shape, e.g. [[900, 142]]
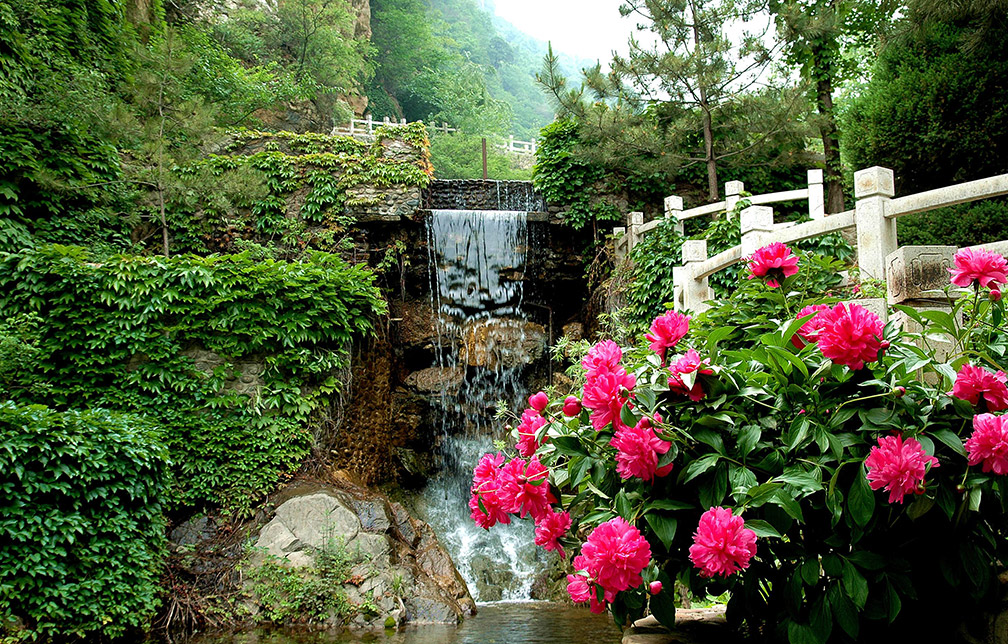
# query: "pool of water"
[[496, 623]]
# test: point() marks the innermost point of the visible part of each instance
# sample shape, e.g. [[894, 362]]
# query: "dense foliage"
[[929, 107], [131, 333], [81, 517], [791, 424]]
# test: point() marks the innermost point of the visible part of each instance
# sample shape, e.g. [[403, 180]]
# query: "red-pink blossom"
[[688, 363], [810, 330], [774, 262], [529, 426], [638, 449], [850, 335], [978, 266], [722, 545], [603, 357], [485, 488], [974, 383], [538, 401], [578, 588], [550, 527], [666, 331], [604, 395], [989, 443], [571, 406], [615, 554], [898, 466], [524, 488]]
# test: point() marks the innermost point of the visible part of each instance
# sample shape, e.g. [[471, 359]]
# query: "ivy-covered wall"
[[230, 356]]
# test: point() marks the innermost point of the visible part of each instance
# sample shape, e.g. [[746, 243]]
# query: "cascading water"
[[476, 261]]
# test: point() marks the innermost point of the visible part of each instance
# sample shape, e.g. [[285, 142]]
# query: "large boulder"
[[400, 572], [502, 342]]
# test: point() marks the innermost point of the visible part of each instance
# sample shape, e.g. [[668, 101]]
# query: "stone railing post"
[[732, 191], [636, 221], [619, 243], [916, 276], [876, 235], [674, 208], [756, 223], [690, 292], [816, 195]]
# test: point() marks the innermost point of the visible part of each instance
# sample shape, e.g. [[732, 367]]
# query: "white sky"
[[583, 28]]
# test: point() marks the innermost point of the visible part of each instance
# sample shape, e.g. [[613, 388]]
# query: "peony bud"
[[900, 392], [571, 406], [538, 401], [994, 295], [654, 587], [884, 344]]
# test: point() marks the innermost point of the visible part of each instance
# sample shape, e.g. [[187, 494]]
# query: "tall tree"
[[816, 34]]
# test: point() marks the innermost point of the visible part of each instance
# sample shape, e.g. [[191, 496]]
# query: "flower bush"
[[837, 486]]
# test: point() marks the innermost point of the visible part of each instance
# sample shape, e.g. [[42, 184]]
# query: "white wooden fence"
[[873, 218], [367, 125]]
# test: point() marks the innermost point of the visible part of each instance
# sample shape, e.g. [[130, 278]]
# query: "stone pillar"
[[636, 221], [816, 196], [674, 208], [916, 276], [619, 243], [756, 223], [732, 191], [876, 235], [690, 292]]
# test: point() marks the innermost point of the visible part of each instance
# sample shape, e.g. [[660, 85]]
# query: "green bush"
[[120, 332], [965, 225], [81, 521]]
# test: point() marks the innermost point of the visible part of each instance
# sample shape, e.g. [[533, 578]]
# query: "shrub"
[[81, 521], [871, 510], [127, 333]]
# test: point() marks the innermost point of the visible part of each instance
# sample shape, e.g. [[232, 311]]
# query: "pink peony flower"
[[616, 553], [722, 545], [604, 395], [978, 266], [485, 487], [578, 588], [666, 331], [689, 362], [810, 330], [638, 449], [550, 527], [975, 383], [530, 424], [989, 443], [524, 488], [899, 466], [850, 335], [603, 357], [773, 262], [572, 406], [538, 401]]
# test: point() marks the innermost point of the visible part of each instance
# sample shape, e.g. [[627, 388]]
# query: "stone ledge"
[[693, 626]]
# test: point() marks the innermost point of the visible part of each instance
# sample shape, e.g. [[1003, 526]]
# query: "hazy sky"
[[585, 28]]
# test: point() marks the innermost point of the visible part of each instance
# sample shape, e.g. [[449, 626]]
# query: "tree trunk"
[[823, 71], [708, 135]]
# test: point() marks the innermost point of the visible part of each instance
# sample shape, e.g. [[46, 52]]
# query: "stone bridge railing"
[[874, 220], [367, 125]]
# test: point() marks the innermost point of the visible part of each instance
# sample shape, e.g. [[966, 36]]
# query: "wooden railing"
[[873, 218], [367, 125]]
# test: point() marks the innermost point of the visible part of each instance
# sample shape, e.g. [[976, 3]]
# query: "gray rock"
[[373, 515], [427, 610], [194, 531], [317, 519]]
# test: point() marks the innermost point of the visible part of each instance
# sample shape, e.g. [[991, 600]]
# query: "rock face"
[[398, 561]]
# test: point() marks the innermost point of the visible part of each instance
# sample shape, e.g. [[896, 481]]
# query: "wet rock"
[[495, 342], [373, 515], [436, 379], [428, 610]]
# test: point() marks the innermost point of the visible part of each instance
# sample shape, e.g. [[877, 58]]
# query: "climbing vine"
[[229, 355]]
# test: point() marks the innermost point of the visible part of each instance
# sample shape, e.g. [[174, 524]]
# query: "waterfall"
[[477, 260]]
